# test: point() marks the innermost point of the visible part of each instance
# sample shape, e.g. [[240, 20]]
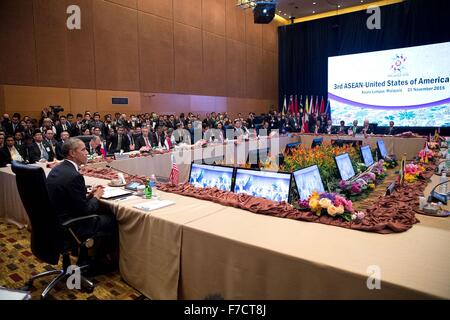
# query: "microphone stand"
[[127, 173], [431, 196]]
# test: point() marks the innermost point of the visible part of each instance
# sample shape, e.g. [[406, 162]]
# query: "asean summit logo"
[[398, 64]]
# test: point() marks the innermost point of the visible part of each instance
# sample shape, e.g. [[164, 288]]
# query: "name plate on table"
[[152, 205], [121, 156], [390, 189]]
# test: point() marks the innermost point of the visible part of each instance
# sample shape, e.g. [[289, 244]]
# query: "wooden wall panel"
[[236, 66], [82, 100], [188, 59], [17, 46], [213, 16], [254, 81], [51, 42], [116, 47], [214, 64], [80, 48], [235, 21], [26, 99], [268, 73], [104, 102], [126, 3], [270, 37], [157, 7], [188, 12], [253, 32], [2, 100], [165, 103], [156, 53]]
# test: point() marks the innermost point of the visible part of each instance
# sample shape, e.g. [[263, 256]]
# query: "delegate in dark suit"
[[34, 153], [67, 192], [114, 147]]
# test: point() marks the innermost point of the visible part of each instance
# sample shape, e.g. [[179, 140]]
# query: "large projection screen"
[[409, 86]]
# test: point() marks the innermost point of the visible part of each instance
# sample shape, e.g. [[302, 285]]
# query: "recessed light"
[[314, 3], [339, 5], [314, 11]]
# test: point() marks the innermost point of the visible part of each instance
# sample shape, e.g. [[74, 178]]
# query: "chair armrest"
[[70, 222]]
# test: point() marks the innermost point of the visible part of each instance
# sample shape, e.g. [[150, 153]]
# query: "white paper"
[[153, 204]]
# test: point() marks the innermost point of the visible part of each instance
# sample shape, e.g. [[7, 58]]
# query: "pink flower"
[[356, 188], [339, 201], [349, 206], [360, 215]]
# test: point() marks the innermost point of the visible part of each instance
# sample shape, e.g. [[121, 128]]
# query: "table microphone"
[[439, 197], [129, 174]]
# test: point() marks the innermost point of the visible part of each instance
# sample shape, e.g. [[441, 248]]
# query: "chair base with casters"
[[62, 276], [64, 273]]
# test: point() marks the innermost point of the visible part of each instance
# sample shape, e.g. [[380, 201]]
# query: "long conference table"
[[196, 248]]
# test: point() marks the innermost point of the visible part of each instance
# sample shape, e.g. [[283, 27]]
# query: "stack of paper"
[[153, 205]]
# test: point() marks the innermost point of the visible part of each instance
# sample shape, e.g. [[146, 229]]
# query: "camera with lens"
[[56, 109]]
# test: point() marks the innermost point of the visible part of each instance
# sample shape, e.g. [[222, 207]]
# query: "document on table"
[[152, 205]]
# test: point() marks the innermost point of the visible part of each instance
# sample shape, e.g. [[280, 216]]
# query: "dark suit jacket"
[[113, 144], [390, 131], [155, 139], [140, 141], [34, 154], [67, 192], [58, 149], [5, 156]]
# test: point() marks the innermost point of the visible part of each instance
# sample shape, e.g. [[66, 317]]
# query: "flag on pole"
[[295, 105], [283, 110], [174, 173], [311, 105], [317, 105], [328, 110], [322, 106], [102, 150], [300, 106], [291, 104]]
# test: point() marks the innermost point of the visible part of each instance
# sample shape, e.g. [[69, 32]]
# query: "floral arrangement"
[[331, 204], [322, 156], [413, 172], [425, 155], [365, 183], [433, 145]]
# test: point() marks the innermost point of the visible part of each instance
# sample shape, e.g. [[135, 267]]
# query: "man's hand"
[[97, 192]]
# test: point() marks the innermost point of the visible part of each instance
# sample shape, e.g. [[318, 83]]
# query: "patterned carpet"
[[17, 264]]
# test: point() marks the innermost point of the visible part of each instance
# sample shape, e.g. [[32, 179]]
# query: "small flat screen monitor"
[[308, 180], [367, 156], [344, 165], [208, 176], [263, 184], [316, 142], [382, 149]]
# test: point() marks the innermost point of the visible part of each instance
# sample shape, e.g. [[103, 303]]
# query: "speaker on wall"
[[264, 12]]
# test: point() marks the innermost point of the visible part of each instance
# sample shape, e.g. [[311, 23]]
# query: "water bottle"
[[152, 184], [148, 192], [443, 188]]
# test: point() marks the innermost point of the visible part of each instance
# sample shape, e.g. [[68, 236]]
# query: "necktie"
[[64, 127], [146, 141], [44, 154]]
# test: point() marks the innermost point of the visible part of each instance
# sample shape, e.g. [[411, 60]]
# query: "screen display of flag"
[[264, 184], [308, 180], [345, 167], [206, 176]]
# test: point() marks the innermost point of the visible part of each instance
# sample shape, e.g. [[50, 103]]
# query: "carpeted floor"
[[17, 264]]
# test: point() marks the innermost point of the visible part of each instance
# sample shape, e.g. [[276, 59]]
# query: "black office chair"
[[49, 238]]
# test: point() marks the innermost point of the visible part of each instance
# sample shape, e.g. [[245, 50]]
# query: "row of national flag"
[[311, 105], [308, 109]]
